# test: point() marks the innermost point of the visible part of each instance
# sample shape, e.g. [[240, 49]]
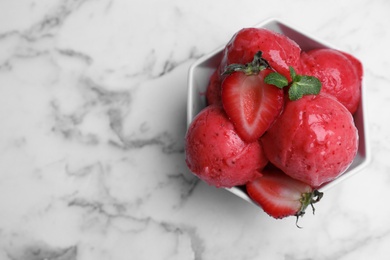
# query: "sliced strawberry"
[[280, 195], [251, 104]]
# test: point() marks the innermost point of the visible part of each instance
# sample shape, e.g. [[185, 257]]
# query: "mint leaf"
[[294, 92], [304, 85], [292, 73], [276, 79]]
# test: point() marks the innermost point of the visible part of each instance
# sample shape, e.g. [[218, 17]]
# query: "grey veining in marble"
[[92, 111]]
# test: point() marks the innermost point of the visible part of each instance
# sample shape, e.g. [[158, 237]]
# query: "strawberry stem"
[[307, 199], [252, 68]]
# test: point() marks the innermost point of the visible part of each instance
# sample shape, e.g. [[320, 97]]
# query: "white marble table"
[[93, 110]]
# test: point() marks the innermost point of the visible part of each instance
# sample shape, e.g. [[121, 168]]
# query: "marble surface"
[[93, 115]]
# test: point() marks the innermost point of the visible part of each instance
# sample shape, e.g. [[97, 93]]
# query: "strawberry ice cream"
[[314, 140], [339, 73], [279, 50], [213, 92], [217, 155]]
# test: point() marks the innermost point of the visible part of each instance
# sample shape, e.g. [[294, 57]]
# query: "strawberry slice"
[[280, 195], [251, 104]]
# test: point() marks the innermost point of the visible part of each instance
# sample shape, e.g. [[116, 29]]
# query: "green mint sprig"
[[299, 86]]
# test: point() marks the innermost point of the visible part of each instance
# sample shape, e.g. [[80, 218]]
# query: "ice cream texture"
[[314, 140], [279, 50], [340, 74], [217, 155]]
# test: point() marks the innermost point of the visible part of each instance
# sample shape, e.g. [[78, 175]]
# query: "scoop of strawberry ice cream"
[[314, 140], [213, 91], [217, 155], [279, 50], [339, 73]]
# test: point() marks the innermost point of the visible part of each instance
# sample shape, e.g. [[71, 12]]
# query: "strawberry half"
[[280, 195], [251, 104]]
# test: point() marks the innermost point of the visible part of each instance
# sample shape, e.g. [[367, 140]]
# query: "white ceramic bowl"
[[202, 69]]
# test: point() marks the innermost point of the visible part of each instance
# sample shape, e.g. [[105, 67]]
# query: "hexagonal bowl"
[[201, 70]]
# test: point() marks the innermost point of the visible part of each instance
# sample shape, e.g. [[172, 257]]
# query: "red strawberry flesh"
[[251, 104], [280, 195]]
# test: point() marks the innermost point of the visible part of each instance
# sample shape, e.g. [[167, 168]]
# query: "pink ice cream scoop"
[[279, 50], [340, 74], [217, 155], [314, 140]]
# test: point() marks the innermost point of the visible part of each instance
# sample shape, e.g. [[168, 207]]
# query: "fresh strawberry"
[[280, 195], [280, 51], [251, 104]]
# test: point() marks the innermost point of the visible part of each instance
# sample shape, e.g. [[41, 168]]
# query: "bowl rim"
[[366, 159]]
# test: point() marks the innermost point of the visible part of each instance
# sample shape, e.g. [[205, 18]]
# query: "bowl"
[[201, 70]]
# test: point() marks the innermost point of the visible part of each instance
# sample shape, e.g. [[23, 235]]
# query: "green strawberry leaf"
[[276, 79], [304, 85]]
